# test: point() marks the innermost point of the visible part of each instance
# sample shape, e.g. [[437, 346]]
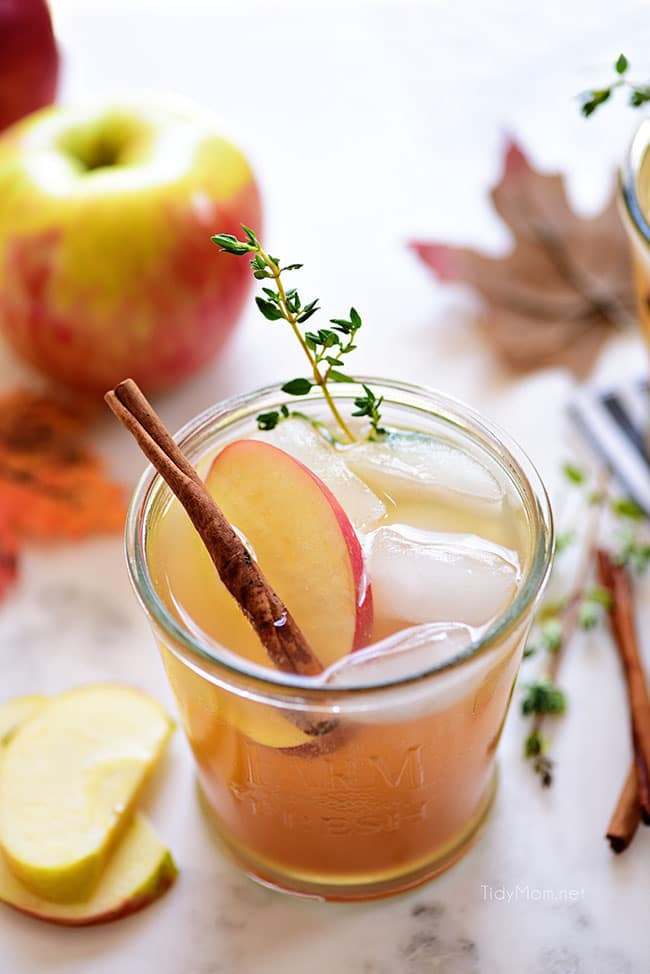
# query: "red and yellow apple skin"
[[309, 552], [29, 59], [304, 540], [106, 262], [138, 873]]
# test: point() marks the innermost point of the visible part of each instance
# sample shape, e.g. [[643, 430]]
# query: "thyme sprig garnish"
[[639, 93], [325, 349]]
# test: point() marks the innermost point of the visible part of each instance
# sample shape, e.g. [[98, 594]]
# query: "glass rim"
[[503, 449], [628, 179]]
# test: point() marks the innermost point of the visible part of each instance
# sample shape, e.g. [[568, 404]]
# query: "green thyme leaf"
[[251, 236], [340, 324], [309, 310], [551, 608], [627, 507], [543, 698], [543, 766], [268, 309], [563, 540], [588, 615], [534, 744], [639, 96], [230, 244], [369, 405], [573, 473], [551, 632], [595, 601], [635, 554], [594, 99], [297, 387], [639, 93], [534, 748], [600, 596], [268, 421]]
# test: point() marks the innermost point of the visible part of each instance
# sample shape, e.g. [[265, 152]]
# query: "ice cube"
[[414, 650], [420, 467], [301, 440], [422, 576]]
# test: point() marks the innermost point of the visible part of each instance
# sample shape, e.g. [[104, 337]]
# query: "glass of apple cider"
[[412, 564], [635, 210]]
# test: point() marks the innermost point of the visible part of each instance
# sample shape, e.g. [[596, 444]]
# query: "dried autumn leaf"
[[564, 287], [52, 487]]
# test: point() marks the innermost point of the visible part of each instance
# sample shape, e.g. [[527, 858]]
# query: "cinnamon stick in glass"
[[616, 580], [279, 633]]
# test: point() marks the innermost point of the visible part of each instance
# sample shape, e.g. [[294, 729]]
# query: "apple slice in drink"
[[139, 871], [69, 778], [308, 550], [304, 442], [303, 541], [205, 708]]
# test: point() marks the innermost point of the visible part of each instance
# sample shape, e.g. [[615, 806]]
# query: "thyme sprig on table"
[[325, 349], [582, 607], [593, 99]]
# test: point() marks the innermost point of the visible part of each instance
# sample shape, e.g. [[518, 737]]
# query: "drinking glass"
[[400, 787]]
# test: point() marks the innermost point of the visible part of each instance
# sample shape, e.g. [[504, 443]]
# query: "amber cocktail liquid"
[[416, 593]]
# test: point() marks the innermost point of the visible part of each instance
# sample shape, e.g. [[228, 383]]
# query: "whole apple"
[[29, 59], [106, 264]]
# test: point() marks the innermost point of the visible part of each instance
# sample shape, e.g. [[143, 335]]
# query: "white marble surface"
[[399, 113]]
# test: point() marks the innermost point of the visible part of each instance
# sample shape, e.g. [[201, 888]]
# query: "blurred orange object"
[[52, 487]]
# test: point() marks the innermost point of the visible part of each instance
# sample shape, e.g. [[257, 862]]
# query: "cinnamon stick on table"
[[278, 631], [627, 815], [616, 579]]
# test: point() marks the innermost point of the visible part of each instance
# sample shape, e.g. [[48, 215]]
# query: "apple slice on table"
[[139, 871], [16, 711], [303, 541], [69, 778]]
